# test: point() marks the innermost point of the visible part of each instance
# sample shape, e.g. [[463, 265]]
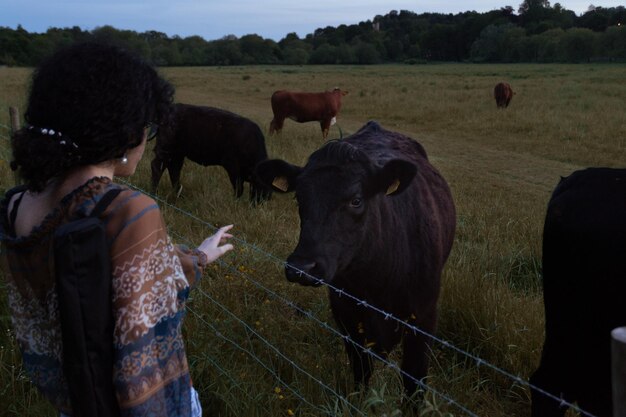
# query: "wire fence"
[[387, 316], [5, 132], [326, 327]]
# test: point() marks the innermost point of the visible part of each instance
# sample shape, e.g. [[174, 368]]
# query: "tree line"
[[536, 32]]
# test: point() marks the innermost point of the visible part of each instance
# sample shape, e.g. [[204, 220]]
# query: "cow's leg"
[[238, 186], [276, 124], [599, 400], [325, 125], [542, 405], [371, 334], [566, 371], [350, 322], [174, 168], [362, 363], [235, 177], [259, 192], [157, 166], [550, 377], [415, 351]]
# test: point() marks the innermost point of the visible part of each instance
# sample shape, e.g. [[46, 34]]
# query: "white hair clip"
[[52, 132]]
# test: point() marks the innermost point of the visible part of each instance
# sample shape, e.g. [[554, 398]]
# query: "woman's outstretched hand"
[[211, 245]]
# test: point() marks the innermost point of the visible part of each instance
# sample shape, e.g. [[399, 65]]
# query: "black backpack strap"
[[13, 214], [83, 273], [104, 202]]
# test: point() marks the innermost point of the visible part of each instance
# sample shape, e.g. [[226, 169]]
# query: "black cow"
[[584, 282], [376, 220], [210, 136]]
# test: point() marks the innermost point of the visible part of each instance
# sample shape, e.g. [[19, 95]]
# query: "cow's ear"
[[394, 177], [278, 174]]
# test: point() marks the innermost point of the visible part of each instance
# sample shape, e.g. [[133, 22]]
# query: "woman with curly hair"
[[92, 107]]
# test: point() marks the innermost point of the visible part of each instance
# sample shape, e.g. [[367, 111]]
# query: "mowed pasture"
[[260, 346]]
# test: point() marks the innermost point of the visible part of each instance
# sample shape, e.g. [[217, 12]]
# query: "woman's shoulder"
[[127, 201], [131, 210]]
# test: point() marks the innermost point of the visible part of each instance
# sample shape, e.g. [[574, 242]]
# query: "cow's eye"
[[356, 202]]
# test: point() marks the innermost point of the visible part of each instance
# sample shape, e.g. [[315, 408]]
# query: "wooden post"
[[15, 118], [618, 366], [15, 126]]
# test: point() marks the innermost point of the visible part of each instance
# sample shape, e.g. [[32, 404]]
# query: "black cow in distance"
[[211, 136]]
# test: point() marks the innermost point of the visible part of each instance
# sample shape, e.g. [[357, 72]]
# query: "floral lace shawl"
[[151, 279]]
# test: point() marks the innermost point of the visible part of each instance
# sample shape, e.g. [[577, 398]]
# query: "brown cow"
[[503, 94], [306, 107]]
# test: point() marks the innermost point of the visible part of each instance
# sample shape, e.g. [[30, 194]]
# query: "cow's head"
[[339, 91], [340, 195]]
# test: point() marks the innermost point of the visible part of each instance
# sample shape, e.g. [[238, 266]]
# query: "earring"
[[124, 160]]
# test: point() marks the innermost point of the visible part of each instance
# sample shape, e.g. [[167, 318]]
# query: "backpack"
[[83, 272]]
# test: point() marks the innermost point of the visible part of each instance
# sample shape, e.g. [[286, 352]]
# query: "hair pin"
[[52, 132]]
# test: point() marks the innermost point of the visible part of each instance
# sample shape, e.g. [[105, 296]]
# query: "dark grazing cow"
[[584, 282], [210, 136], [306, 107], [503, 94], [376, 220]]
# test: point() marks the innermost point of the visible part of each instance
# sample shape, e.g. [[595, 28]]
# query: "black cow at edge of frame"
[[377, 220], [211, 136], [584, 290]]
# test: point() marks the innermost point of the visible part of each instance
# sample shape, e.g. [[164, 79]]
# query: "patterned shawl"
[[151, 279]]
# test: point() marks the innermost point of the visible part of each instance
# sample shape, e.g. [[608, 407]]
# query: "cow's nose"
[[300, 273]]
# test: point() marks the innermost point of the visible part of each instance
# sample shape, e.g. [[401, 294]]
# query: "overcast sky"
[[213, 19]]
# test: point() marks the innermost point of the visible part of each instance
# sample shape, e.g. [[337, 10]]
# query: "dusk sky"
[[213, 19]]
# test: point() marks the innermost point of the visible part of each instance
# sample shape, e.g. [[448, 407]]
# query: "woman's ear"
[[394, 177], [278, 174]]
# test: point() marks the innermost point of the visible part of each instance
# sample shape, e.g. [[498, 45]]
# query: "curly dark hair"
[[99, 97]]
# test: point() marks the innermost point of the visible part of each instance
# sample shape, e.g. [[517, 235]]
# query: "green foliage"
[[494, 36], [577, 45]]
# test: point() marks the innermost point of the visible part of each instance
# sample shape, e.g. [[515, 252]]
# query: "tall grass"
[[254, 354]]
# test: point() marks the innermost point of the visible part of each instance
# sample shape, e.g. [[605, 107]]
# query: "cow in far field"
[[503, 94], [211, 136], [584, 287], [377, 221], [306, 107]]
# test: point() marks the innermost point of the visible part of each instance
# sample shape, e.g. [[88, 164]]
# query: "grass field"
[[254, 354]]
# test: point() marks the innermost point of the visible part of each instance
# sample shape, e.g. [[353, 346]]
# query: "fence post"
[[15, 118], [618, 366], [15, 126]]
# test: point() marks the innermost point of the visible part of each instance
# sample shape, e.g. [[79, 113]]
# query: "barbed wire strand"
[[479, 361], [249, 328], [331, 329], [224, 372], [325, 325], [219, 334]]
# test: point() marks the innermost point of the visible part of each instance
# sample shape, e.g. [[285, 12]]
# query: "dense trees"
[[538, 32]]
